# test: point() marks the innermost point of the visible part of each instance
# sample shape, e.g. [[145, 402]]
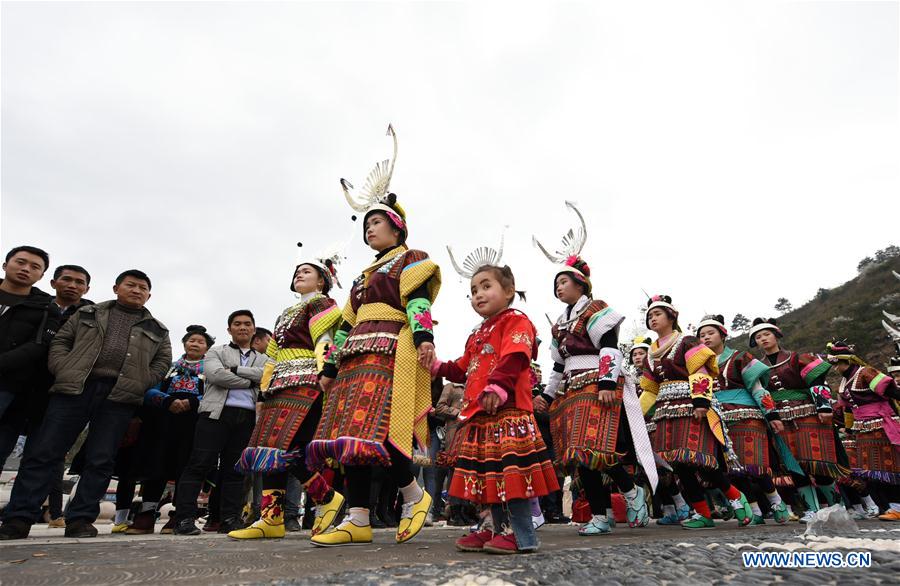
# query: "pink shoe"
[[504, 543], [474, 541]]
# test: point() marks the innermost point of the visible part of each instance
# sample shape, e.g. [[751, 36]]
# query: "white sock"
[[870, 504], [895, 507], [789, 509], [411, 493], [754, 506], [679, 500], [669, 510], [121, 516], [774, 498], [148, 507], [359, 516], [631, 494], [859, 509], [736, 504], [599, 518]]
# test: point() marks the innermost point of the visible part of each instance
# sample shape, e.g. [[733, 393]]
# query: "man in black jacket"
[[103, 361], [28, 321]]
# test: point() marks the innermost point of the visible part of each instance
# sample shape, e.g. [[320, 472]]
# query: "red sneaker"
[[474, 541], [504, 543]]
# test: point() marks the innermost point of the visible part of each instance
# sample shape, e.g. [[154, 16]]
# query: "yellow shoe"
[[890, 515], [120, 528], [413, 518], [327, 513], [262, 529], [59, 523], [271, 520], [344, 534]]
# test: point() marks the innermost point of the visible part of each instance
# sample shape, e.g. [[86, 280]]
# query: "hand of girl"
[[490, 402], [426, 355], [700, 413], [326, 383], [540, 404], [777, 426], [607, 397], [825, 418]]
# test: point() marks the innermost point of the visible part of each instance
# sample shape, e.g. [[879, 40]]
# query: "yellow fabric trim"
[[648, 396], [414, 276], [326, 322], [293, 353], [410, 396], [848, 419], [700, 358], [380, 312], [266, 380], [272, 348], [348, 315], [320, 354]]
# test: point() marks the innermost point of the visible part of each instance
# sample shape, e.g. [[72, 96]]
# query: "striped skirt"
[[281, 415], [357, 414], [679, 438], [750, 441], [876, 457], [814, 447], [585, 431], [500, 457]]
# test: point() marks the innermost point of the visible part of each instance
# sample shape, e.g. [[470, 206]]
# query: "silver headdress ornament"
[[572, 243], [481, 256], [327, 261], [378, 183]]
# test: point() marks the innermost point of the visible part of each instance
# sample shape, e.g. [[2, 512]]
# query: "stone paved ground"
[[653, 555]]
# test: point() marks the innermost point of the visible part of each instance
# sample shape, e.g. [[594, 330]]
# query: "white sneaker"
[[808, 516], [872, 512], [429, 519], [538, 521]]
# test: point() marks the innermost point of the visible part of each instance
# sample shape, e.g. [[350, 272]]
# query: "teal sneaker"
[[636, 511], [742, 510], [598, 525], [757, 520], [669, 520], [697, 522], [684, 513], [780, 513]]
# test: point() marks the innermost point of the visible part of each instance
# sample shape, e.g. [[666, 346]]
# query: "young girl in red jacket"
[[498, 455]]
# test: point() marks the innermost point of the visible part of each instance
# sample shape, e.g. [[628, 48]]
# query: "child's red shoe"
[[504, 543], [474, 541]]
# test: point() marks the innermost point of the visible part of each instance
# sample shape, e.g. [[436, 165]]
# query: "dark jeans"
[[45, 452], [214, 439]]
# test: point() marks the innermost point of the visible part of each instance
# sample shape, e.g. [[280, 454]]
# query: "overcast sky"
[[724, 153]]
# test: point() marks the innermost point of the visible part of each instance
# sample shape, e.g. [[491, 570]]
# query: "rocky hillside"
[[851, 311]]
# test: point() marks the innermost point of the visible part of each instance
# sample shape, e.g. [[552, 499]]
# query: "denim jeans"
[[216, 440], [435, 476], [45, 452], [517, 514], [292, 498]]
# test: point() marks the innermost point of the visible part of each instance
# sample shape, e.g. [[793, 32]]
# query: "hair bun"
[[720, 318], [391, 199], [196, 329], [757, 321], [772, 321], [663, 298]]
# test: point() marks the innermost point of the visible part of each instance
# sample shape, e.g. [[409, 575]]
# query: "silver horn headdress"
[[481, 256], [569, 253], [378, 183]]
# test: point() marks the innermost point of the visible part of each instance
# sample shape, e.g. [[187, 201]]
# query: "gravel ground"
[[694, 559]]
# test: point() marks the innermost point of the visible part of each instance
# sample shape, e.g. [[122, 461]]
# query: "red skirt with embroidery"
[[357, 414], [813, 445], [500, 457], [876, 457], [750, 441], [271, 447], [584, 430]]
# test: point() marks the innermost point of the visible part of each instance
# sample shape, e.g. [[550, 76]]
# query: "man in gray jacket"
[[227, 416], [103, 360]]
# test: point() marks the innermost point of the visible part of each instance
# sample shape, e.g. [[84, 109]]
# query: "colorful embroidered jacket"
[[183, 381], [497, 359], [389, 312], [585, 348], [741, 383], [301, 336], [797, 384], [688, 360], [868, 393]]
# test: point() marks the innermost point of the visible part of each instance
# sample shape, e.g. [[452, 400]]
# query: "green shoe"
[[757, 520], [742, 511], [781, 514], [698, 521]]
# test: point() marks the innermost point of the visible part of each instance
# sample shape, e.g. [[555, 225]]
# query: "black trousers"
[[359, 478], [216, 440]]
